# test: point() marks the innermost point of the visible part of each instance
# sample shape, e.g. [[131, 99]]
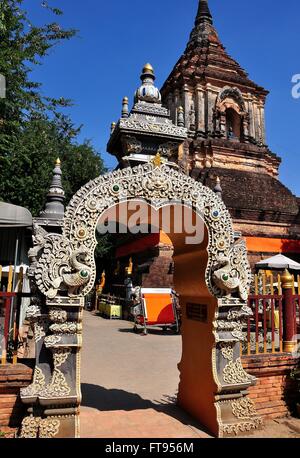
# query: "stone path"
[[129, 386]]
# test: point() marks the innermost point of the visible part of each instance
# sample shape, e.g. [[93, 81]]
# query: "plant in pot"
[[295, 375]]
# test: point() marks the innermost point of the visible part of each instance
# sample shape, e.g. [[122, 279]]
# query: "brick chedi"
[[224, 113]]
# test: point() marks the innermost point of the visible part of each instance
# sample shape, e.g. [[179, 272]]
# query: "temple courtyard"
[[129, 386]]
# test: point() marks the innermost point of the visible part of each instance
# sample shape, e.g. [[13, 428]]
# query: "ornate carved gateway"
[[214, 274]]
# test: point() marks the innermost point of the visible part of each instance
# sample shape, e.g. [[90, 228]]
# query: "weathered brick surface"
[[12, 379], [275, 394]]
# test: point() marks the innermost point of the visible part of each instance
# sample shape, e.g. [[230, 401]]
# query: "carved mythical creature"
[[55, 263], [232, 274], [39, 241], [73, 281]]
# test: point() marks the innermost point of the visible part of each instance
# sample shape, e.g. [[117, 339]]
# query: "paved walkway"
[[130, 382]]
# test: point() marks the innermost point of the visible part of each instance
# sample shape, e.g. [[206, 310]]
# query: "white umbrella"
[[18, 268], [278, 262]]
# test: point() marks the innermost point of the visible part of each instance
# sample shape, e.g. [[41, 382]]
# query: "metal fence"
[[265, 331]]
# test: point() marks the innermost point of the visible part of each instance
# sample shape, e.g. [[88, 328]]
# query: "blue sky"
[[117, 37]]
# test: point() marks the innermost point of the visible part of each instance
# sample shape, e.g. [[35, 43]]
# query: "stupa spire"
[[54, 208], [203, 31], [203, 14]]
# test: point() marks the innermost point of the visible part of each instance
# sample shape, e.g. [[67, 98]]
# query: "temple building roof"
[[147, 129], [205, 58]]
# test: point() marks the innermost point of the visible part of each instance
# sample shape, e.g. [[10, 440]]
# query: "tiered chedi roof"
[[209, 56], [225, 117], [53, 213], [147, 129], [204, 77]]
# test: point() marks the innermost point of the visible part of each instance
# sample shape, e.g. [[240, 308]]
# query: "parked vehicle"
[[156, 307]]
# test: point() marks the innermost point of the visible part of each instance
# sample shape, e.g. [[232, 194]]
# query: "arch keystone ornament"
[[212, 280]]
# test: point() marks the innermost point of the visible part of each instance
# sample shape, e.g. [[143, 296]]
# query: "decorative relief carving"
[[58, 387], [242, 314], [30, 428], [243, 408], [153, 108], [49, 428], [242, 427], [235, 328], [59, 264], [168, 149], [157, 186], [33, 312], [233, 93], [234, 373], [233, 274], [65, 328], [132, 145], [51, 341], [60, 356], [58, 315], [137, 125], [39, 382], [40, 329], [227, 351]]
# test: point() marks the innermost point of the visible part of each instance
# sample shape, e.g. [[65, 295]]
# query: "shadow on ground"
[[103, 399], [154, 331]]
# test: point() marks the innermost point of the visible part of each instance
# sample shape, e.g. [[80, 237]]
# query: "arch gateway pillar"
[[213, 383]]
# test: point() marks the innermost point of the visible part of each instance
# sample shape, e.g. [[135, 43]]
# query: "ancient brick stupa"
[[225, 117], [223, 111]]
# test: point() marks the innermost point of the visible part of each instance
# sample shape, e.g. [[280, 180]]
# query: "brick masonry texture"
[[275, 394], [12, 379]]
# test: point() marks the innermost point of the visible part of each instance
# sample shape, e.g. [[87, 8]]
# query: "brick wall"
[[12, 379], [160, 273], [275, 393]]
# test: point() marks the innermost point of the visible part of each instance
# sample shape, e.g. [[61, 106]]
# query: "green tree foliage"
[[33, 130], [27, 179]]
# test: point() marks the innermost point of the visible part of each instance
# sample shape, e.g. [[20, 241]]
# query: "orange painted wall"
[[254, 244], [266, 245], [137, 246]]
